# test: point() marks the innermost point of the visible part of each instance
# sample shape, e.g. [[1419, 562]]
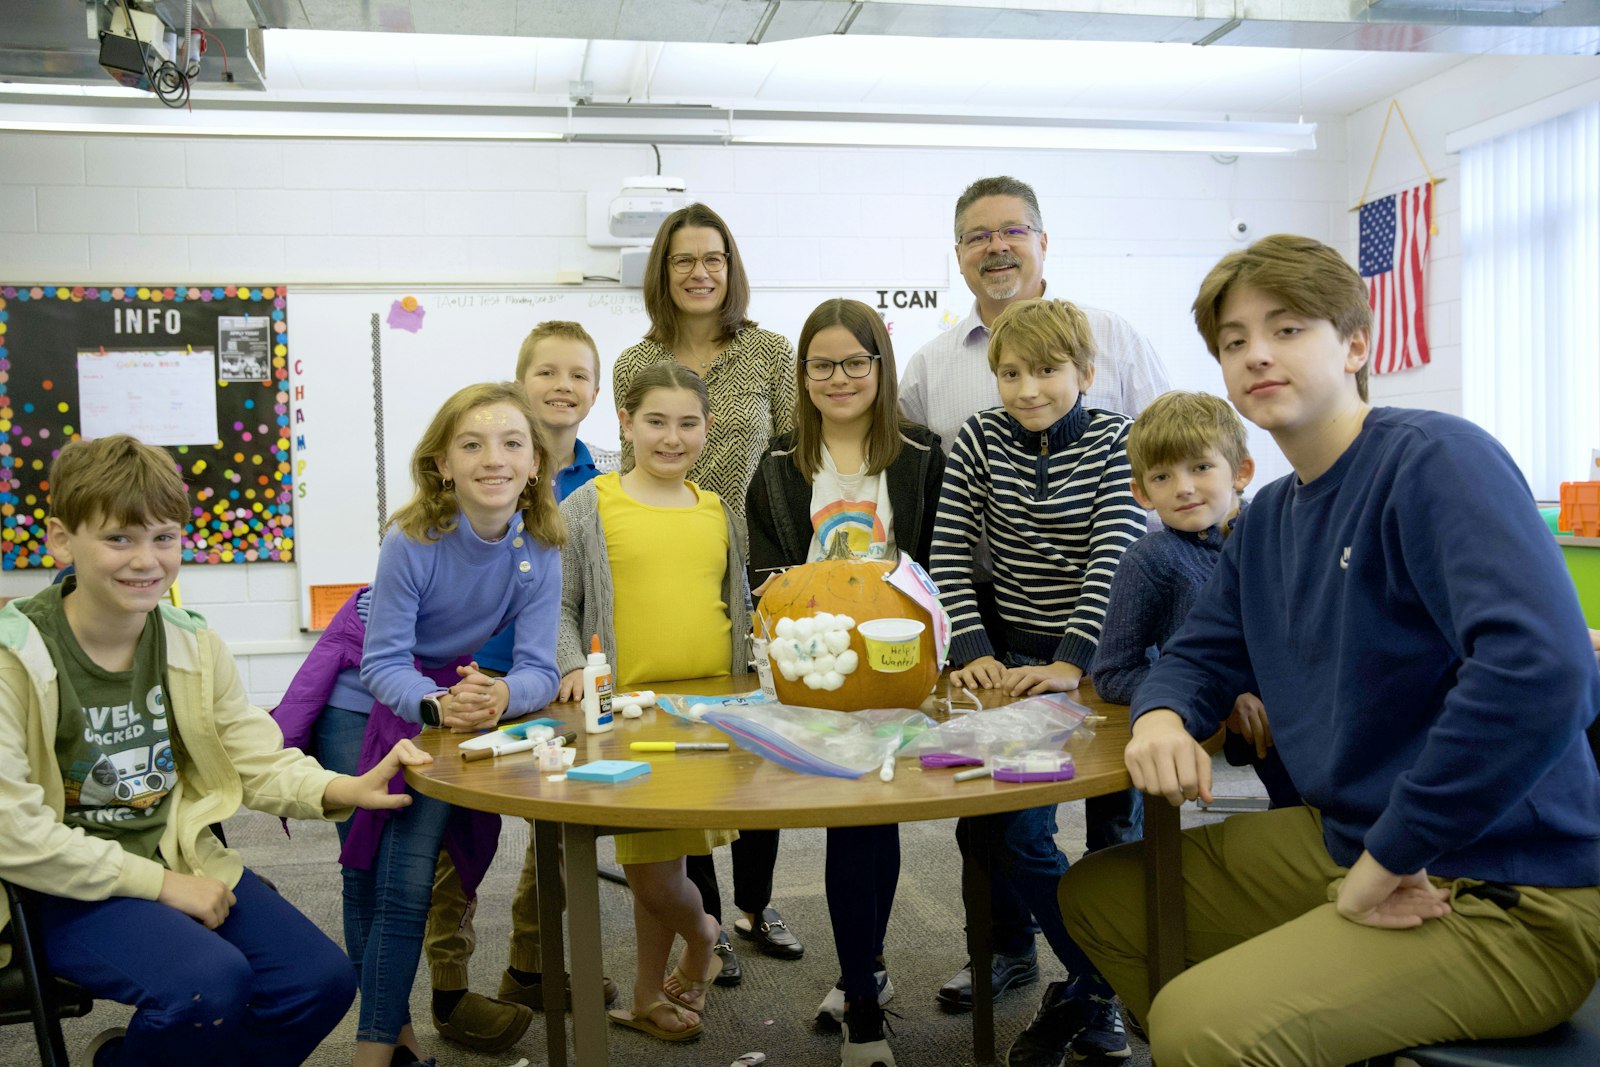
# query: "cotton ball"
[[785, 627], [815, 680], [832, 680], [803, 629], [631, 711], [790, 669], [698, 711], [822, 621], [822, 664], [783, 650], [846, 661], [836, 640], [844, 622]]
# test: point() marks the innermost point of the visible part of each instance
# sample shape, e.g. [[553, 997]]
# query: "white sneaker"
[[100, 1041], [830, 1013]]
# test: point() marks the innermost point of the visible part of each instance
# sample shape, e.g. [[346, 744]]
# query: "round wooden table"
[[734, 789]]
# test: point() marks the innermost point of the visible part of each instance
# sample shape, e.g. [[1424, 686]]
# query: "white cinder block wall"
[[1479, 89], [110, 210]]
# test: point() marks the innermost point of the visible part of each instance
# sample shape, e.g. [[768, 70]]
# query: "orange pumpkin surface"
[[853, 587]]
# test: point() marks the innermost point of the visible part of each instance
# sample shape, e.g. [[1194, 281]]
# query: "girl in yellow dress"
[[645, 547]]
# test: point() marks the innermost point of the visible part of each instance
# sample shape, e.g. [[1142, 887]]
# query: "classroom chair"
[[1574, 1042], [28, 991]]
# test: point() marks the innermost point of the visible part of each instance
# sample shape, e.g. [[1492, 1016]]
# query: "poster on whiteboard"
[[162, 396]]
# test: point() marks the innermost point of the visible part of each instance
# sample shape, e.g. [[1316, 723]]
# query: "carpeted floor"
[[771, 1012]]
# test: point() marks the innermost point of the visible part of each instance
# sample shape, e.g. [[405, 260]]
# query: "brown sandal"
[[642, 1022]]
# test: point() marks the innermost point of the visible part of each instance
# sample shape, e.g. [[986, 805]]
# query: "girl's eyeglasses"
[[820, 370]]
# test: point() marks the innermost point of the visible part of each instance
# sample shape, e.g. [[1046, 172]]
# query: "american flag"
[[1394, 260]]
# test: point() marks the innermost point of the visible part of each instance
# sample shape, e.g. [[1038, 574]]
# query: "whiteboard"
[[368, 374]]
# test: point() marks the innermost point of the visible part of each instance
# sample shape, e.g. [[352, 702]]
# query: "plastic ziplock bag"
[[833, 744], [1041, 722]]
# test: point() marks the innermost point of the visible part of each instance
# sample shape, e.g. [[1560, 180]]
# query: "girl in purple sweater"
[[475, 551]]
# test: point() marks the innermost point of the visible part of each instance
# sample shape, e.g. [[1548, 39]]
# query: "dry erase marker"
[[471, 754], [679, 746]]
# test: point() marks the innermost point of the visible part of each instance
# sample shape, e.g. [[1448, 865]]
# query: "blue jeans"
[[264, 988], [1026, 866], [386, 913], [860, 876], [337, 736]]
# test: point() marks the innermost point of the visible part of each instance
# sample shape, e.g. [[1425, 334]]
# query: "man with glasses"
[[1000, 244]]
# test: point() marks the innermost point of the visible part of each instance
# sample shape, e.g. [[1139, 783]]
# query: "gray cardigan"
[[587, 604]]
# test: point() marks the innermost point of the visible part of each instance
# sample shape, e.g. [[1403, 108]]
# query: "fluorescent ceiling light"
[[248, 117]]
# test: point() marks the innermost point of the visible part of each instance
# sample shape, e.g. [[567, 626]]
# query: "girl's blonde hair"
[[433, 510], [882, 446]]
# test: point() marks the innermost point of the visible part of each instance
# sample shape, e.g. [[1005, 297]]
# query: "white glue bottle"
[[597, 718]]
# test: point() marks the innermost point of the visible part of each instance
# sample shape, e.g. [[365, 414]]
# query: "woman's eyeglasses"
[[684, 263], [820, 370]]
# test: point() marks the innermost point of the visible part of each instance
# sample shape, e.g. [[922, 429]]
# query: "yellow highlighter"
[[679, 746]]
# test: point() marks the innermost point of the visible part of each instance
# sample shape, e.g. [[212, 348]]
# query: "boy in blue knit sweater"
[[1046, 479], [1191, 463], [1405, 614]]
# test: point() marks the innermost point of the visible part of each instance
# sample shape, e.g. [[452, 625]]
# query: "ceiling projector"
[[637, 211]]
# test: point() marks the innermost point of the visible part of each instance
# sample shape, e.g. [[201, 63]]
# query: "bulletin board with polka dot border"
[[240, 488]]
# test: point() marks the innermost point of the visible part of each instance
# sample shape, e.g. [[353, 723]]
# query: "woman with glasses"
[[854, 472], [697, 295]]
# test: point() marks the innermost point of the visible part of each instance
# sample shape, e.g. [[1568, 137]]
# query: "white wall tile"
[[18, 211], [514, 166], [47, 257], [79, 209], [777, 170], [423, 258], [272, 581], [503, 213], [203, 585], [329, 164], [238, 623], [125, 162], [511, 259], [257, 259], [379, 214], [134, 258], [229, 164], [188, 211], [46, 159], [328, 259], [420, 166], [271, 674], [289, 212]]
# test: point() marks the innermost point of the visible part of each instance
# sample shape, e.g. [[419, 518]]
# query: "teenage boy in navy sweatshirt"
[[1401, 608]]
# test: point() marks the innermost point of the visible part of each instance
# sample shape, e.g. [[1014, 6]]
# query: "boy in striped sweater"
[[1045, 479]]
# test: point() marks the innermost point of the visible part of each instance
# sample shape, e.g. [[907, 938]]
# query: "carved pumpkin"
[[841, 585]]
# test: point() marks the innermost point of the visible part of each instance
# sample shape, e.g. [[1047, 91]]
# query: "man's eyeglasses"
[[1007, 234], [684, 263], [820, 370]]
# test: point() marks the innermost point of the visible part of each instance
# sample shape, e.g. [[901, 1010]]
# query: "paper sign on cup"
[[893, 645]]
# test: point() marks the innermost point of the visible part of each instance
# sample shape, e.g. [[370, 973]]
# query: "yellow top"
[[667, 571]]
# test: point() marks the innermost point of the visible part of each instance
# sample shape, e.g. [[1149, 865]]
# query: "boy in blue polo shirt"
[[559, 368], [1404, 613]]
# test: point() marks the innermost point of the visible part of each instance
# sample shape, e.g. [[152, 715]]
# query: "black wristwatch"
[[431, 710]]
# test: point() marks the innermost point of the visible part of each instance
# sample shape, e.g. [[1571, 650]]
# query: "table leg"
[[1163, 881], [547, 868], [975, 895], [583, 914]]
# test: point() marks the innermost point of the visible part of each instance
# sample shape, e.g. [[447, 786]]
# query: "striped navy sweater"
[[1058, 514]]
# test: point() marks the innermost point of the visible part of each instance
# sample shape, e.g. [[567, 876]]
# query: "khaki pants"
[[1277, 977], [450, 938]]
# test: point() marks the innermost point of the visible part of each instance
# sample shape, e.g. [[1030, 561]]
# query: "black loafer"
[[771, 935], [732, 974], [1005, 972]]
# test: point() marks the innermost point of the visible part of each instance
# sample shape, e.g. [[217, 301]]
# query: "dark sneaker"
[[830, 1013], [1061, 1020], [1105, 1038], [1005, 972], [864, 1043]]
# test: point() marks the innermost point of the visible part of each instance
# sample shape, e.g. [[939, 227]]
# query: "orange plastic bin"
[[1580, 509]]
